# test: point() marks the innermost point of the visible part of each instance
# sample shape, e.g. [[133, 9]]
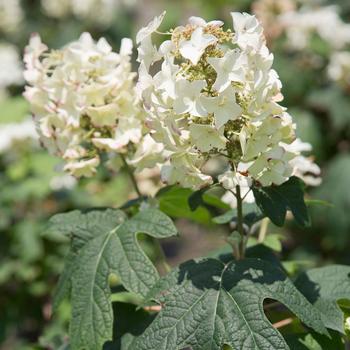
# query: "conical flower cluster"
[[83, 100], [215, 95]]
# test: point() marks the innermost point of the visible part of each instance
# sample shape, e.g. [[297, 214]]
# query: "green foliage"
[[314, 341], [174, 201], [309, 130], [334, 221], [206, 304], [272, 241], [130, 321], [251, 215], [335, 103], [30, 262], [225, 218], [323, 287], [274, 201], [104, 242], [203, 198], [290, 69], [13, 110]]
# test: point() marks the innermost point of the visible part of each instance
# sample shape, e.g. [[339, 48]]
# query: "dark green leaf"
[[206, 304], [260, 251], [133, 202], [102, 243], [335, 102], [314, 341], [319, 202], [173, 201], [81, 227], [251, 215], [129, 322], [272, 241], [64, 284], [226, 217], [196, 198], [274, 201], [334, 222], [323, 287], [211, 200]]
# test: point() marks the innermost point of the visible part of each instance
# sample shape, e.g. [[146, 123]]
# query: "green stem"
[[240, 228], [131, 176]]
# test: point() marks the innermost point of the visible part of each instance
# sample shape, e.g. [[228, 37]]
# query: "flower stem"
[[240, 228], [131, 176]]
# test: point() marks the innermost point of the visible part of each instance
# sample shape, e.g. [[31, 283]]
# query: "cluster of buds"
[[215, 96], [83, 101]]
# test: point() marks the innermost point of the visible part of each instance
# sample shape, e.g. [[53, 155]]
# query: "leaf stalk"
[[242, 243]]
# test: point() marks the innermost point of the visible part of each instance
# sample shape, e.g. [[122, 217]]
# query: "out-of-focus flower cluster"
[[10, 68], [216, 95], [13, 133], [306, 23], [302, 24], [339, 68], [11, 15], [269, 11], [101, 12], [83, 101]]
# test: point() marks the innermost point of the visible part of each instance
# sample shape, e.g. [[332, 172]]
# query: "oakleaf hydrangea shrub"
[[206, 98]]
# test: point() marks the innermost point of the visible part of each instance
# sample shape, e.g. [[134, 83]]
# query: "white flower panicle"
[[215, 95], [83, 100]]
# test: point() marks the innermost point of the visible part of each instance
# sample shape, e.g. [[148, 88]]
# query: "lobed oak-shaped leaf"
[[323, 287], [104, 242], [207, 304], [80, 227]]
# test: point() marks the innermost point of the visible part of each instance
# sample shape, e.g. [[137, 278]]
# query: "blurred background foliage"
[[33, 188]]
